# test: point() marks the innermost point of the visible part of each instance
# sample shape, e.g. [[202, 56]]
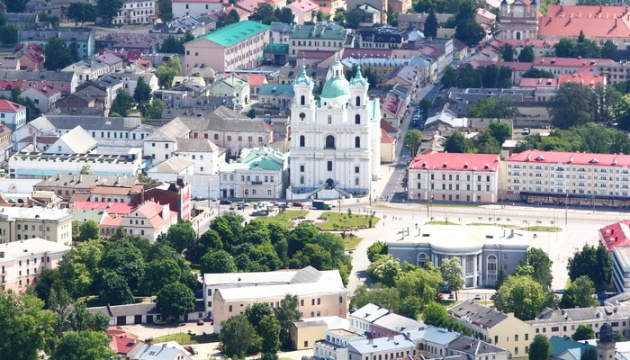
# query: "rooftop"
[[617, 234], [234, 33], [568, 158], [379, 345], [17, 249], [477, 314], [433, 160], [39, 213], [595, 313], [10, 106]]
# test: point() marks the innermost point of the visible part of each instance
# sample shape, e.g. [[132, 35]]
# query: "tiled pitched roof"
[[9, 106], [577, 158], [617, 234], [433, 160]]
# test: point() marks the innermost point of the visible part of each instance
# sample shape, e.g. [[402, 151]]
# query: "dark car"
[[199, 322], [225, 202]]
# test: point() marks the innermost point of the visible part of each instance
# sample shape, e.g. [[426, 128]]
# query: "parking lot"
[[152, 331]]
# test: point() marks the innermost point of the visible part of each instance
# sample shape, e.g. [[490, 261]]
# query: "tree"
[[522, 296], [592, 262], [89, 230], [452, 274], [502, 108], [142, 92], [287, 313], [434, 314], [155, 110], [500, 131], [457, 143], [114, 290], [216, 262], [413, 139], [238, 337], [167, 71], [431, 25], [609, 51], [583, 332], [425, 105], [540, 348], [622, 113], [572, 105], [591, 354], [108, 9], [507, 53], [579, 293], [527, 54], [121, 104], [8, 34], [175, 300], [159, 272], [378, 294], [469, 32], [83, 345], [57, 54], [449, 78], [541, 266], [385, 270], [86, 170], [251, 113], [538, 73], [263, 11], [354, 18], [25, 327], [81, 12], [420, 282], [606, 99], [257, 312], [410, 307], [172, 45], [165, 10], [564, 48], [269, 331], [16, 6], [180, 236], [284, 15], [376, 250]]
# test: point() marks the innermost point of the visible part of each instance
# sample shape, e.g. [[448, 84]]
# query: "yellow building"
[[495, 327], [303, 334], [28, 223]]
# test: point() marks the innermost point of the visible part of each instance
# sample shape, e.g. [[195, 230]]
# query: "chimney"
[[165, 211]]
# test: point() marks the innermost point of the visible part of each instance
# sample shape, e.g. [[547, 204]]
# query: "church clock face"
[[302, 115]]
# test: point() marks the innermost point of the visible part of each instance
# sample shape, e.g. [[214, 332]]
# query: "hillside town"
[[314, 179]]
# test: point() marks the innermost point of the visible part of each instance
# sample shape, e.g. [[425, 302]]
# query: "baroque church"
[[519, 20], [335, 141]]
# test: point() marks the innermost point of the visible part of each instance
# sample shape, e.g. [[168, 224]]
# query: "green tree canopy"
[[175, 300], [502, 108], [527, 54], [385, 269], [376, 250], [592, 262], [287, 313], [160, 272], [540, 348], [167, 72], [583, 332], [573, 104], [58, 55], [114, 290], [81, 12], [83, 345], [541, 264], [413, 139], [269, 330], [121, 104], [538, 73], [142, 92], [238, 337], [469, 32], [507, 53], [452, 273], [108, 9], [431, 25], [458, 143], [219, 261], [521, 295], [89, 231]]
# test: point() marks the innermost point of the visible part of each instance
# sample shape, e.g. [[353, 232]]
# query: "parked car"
[[199, 322], [199, 198], [477, 297], [297, 203], [225, 202], [214, 198]]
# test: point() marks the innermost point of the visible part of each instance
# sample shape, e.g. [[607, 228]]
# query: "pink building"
[[21, 262]]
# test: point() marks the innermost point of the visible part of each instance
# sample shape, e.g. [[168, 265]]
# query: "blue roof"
[[560, 345], [439, 336], [276, 89], [383, 344]]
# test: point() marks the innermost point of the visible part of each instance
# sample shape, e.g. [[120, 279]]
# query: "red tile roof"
[[517, 66], [386, 138], [6, 85], [109, 207], [249, 5], [567, 62], [198, 1], [303, 5], [584, 79], [153, 212], [113, 221], [615, 235], [433, 160], [576, 158], [393, 105], [45, 88], [122, 343], [9, 106], [255, 80], [533, 82], [594, 21], [388, 127]]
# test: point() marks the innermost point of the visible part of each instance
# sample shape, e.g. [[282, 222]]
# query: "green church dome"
[[335, 87]]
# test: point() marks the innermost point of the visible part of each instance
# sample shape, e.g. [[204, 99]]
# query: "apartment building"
[[322, 37], [494, 326], [454, 177], [66, 185], [564, 322], [621, 268], [17, 223], [22, 262], [136, 12], [558, 177], [12, 115], [615, 72], [233, 47], [195, 8], [320, 293]]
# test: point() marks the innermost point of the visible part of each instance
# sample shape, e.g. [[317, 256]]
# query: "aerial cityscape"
[[314, 179]]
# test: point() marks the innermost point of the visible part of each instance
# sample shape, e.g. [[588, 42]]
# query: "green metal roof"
[[276, 89], [335, 87], [234, 33], [329, 31]]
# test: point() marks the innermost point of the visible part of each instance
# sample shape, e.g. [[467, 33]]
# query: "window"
[[357, 101], [357, 119], [302, 140], [357, 142], [330, 142], [216, 136], [240, 138], [302, 100], [301, 168], [329, 165], [356, 169]]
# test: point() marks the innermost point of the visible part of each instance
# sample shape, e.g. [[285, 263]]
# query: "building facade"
[[335, 141], [454, 177], [12, 115], [21, 263], [18, 224], [518, 20], [564, 322], [136, 12], [260, 173], [195, 8], [483, 250]]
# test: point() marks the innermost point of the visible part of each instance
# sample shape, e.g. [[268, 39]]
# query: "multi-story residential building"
[[44, 95], [615, 72], [454, 177], [558, 177], [149, 220], [83, 38], [65, 81], [27, 223], [12, 115], [304, 11], [320, 293], [88, 69], [564, 322], [5, 142], [195, 8], [163, 141], [22, 262], [483, 250], [66, 185], [387, 347], [260, 173], [205, 155], [492, 325], [323, 37], [621, 267], [237, 46], [136, 11], [567, 66], [475, 349], [232, 86]]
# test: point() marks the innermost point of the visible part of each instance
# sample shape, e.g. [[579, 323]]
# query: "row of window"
[[330, 142], [450, 187], [488, 178]]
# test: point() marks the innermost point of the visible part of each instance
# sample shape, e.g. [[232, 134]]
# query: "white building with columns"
[[335, 141]]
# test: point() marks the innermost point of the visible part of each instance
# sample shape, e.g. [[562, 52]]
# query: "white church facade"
[[335, 141]]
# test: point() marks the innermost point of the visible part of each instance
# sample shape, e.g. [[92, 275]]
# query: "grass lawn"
[[342, 221], [491, 224], [351, 242], [185, 338], [282, 218], [542, 228], [441, 222]]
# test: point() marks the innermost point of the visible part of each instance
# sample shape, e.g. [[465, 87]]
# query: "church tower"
[[335, 141], [606, 343], [518, 21]]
